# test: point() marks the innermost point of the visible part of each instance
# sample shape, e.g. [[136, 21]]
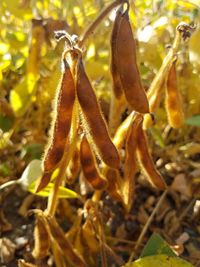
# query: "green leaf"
[[5, 169], [159, 261], [62, 192], [194, 121], [6, 123], [156, 133], [32, 151], [157, 245]]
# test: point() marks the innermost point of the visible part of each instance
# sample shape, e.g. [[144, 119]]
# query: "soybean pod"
[[127, 65], [146, 160], [65, 246], [94, 119], [173, 101], [42, 240], [64, 102], [130, 166], [89, 166], [117, 86]]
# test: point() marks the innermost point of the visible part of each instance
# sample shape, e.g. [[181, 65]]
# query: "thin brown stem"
[[145, 228], [97, 21], [9, 183]]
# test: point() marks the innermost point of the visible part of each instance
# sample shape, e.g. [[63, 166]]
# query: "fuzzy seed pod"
[[130, 166], [42, 240], [173, 100], [117, 86], [89, 167], [94, 119], [146, 161], [61, 125], [59, 236], [89, 237], [128, 69]]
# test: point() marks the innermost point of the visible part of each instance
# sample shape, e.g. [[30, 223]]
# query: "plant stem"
[[97, 21], [9, 183]]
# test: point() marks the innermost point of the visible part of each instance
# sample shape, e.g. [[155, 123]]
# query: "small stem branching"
[[97, 21]]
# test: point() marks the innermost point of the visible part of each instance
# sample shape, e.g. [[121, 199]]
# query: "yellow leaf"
[[62, 192], [20, 96], [159, 260]]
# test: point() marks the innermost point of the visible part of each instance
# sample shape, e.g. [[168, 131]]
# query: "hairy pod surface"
[[89, 167], [130, 166], [173, 101], [62, 121], [114, 184], [42, 240], [93, 117], [60, 128], [117, 86], [146, 161], [69, 253], [128, 69]]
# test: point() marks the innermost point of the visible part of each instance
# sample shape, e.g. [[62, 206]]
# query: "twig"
[[120, 240], [147, 224], [96, 22], [186, 210], [9, 183]]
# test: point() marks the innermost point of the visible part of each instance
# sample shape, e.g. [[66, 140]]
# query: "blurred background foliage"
[[30, 63]]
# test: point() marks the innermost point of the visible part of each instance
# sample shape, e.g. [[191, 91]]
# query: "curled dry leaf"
[[182, 185], [7, 250]]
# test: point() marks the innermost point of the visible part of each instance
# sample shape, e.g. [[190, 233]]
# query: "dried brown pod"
[[173, 101], [146, 161], [41, 238], [68, 251], [89, 167], [117, 86], [89, 237], [130, 165], [127, 65], [94, 119], [61, 125], [114, 183]]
